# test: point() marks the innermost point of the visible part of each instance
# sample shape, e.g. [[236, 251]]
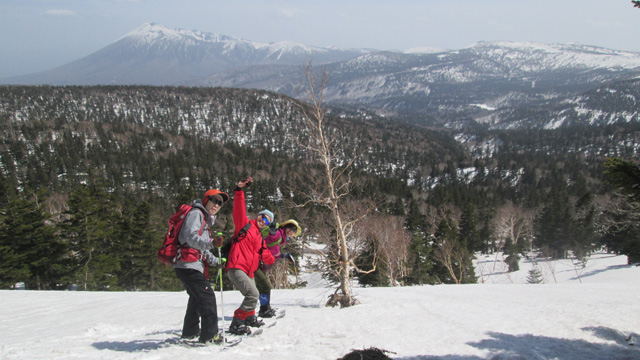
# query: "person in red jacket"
[[247, 250]]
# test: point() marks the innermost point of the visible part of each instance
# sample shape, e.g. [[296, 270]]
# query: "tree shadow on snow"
[[524, 347], [596, 272], [614, 335]]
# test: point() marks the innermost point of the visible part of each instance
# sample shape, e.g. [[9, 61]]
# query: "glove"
[[288, 257], [218, 240], [272, 229]]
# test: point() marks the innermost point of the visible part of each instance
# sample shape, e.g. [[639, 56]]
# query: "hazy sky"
[[41, 34]]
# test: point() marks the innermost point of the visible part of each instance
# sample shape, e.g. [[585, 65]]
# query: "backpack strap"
[[277, 242], [242, 232], [181, 246]]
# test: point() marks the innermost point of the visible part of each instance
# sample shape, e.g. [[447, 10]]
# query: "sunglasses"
[[265, 220], [216, 201]]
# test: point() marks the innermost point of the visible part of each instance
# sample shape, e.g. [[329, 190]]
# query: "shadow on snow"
[[525, 347], [499, 346]]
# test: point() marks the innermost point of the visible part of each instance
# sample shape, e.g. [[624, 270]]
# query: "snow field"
[[504, 318]]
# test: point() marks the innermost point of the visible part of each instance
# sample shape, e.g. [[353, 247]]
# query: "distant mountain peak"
[[151, 32]]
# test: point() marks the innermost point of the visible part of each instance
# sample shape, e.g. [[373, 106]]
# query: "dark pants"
[[262, 281], [201, 305]]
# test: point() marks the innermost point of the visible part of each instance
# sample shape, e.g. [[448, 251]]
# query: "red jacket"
[[246, 253]]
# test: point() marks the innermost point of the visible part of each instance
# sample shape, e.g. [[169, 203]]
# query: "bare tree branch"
[[336, 183]]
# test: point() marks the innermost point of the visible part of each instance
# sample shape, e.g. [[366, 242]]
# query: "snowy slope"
[[568, 320], [525, 57]]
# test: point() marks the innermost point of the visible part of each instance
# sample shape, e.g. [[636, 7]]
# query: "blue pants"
[[201, 306]]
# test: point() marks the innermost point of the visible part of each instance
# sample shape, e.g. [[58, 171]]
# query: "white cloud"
[[59, 12], [290, 12]]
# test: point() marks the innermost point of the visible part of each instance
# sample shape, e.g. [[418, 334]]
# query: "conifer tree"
[[512, 253], [414, 217], [469, 235], [89, 230], [621, 218], [554, 227], [535, 276], [420, 262], [28, 233], [137, 241], [624, 176], [13, 263]]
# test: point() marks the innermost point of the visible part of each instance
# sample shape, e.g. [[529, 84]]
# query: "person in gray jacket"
[[193, 264]]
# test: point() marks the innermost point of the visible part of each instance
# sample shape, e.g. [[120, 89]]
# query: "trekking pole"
[[221, 292]]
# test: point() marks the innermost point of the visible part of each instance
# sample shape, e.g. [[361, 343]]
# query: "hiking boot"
[[216, 340], [253, 321], [266, 311], [238, 327]]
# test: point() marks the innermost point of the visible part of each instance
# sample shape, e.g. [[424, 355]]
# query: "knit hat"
[[214, 192], [268, 213], [292, 223]]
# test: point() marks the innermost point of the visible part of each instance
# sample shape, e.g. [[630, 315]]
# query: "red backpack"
[[171, 249]]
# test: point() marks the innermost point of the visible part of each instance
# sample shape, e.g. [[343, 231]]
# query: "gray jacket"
[[194, 235]]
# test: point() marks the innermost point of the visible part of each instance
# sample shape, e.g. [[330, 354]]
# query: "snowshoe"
[[267, 312], [238, 327], [253, 321], [216, 340]]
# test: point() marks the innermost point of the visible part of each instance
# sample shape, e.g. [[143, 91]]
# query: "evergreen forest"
[[89, 177]]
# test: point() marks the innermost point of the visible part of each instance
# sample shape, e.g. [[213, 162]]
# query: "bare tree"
[[333, 185], [450, 252], [393, 245], [513, 222], [279, 275]]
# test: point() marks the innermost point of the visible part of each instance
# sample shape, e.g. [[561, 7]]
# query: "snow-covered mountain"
[[489, 83], [155, 55], [607, 104], [469, 86]]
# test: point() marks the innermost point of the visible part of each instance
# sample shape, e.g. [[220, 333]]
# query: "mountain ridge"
[[449, 88], [155, 55]]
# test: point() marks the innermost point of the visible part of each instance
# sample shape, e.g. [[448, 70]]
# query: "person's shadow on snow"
[[525, 347], [139, 345], [130, 346]]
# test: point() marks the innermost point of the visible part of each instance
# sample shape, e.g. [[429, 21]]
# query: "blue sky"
[[37, 35]]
